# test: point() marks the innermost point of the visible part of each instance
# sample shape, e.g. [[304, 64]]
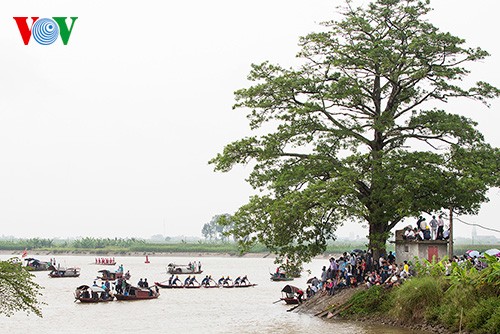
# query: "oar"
[[277, 301]]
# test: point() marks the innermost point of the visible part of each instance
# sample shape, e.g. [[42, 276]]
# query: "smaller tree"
[[218, 227], [18, 292]]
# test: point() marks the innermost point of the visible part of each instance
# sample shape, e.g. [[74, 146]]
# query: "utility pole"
[[450, 240]]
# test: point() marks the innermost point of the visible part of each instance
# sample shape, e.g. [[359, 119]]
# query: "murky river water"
[[249, 310]]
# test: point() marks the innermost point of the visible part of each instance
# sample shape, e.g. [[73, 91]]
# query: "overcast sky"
[[111, 134]]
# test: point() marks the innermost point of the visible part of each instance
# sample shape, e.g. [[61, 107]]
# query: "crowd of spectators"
[[356, 268]]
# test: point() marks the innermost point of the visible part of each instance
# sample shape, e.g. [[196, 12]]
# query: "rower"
[[237, 281], [187, 280], [221, 280], [244, 280], [226, 280], [192, 280], [205, 281], [170, 280], [174, 282]]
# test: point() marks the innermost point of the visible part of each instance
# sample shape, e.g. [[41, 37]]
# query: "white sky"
[[110, 135]]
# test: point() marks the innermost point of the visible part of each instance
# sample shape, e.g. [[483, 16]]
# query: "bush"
[[372, 300], [484, 317], [417, 297]]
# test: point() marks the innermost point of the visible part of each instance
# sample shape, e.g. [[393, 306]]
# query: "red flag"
[[25, 253]]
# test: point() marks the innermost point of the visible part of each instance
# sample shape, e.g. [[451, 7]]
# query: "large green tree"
[[356, 133], [18, 292]]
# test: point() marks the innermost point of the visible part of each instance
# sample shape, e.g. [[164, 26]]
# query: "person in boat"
[[205, 281], [171, 279], [120, 269], [221, 280], [140, 284], [192, 280], [127, 275], [145, 284], [187, 280], [244, 280], [104, 294], [226, 280], [174, 282], [118, 285], [95, 284], [237, 281]]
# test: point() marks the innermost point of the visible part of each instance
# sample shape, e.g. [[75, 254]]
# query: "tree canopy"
[[355, 133], [18, 292]]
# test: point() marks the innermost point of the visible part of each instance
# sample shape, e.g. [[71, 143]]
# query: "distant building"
[[407, 250]]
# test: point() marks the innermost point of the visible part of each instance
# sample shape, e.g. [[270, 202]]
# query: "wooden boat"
[[192, 286], [37, 265], [63, 272], [244, 285], [136, 293], [107, 275], [179, 269], [279, 277], [168, 286], [92, 294], [290, 294]]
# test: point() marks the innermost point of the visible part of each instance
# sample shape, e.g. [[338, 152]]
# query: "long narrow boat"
[[244, 285], [136, 293], [169, 286]]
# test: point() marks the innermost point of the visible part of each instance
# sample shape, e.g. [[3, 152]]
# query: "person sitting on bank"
[[300, 293], [187, 280]]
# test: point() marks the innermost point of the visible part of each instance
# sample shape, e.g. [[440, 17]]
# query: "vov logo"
[[45, 31]]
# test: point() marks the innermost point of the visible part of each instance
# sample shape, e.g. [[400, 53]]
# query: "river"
[[249, 310]]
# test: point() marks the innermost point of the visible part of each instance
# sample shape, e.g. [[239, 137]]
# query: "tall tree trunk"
[[377, 237]]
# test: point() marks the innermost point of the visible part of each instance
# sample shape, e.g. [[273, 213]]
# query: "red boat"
[[136, 293]]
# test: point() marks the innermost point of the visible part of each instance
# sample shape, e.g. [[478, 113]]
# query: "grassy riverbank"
[[466, 299]]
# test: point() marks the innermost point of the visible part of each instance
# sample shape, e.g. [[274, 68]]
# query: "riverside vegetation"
[[123, 246], [443, 294]]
